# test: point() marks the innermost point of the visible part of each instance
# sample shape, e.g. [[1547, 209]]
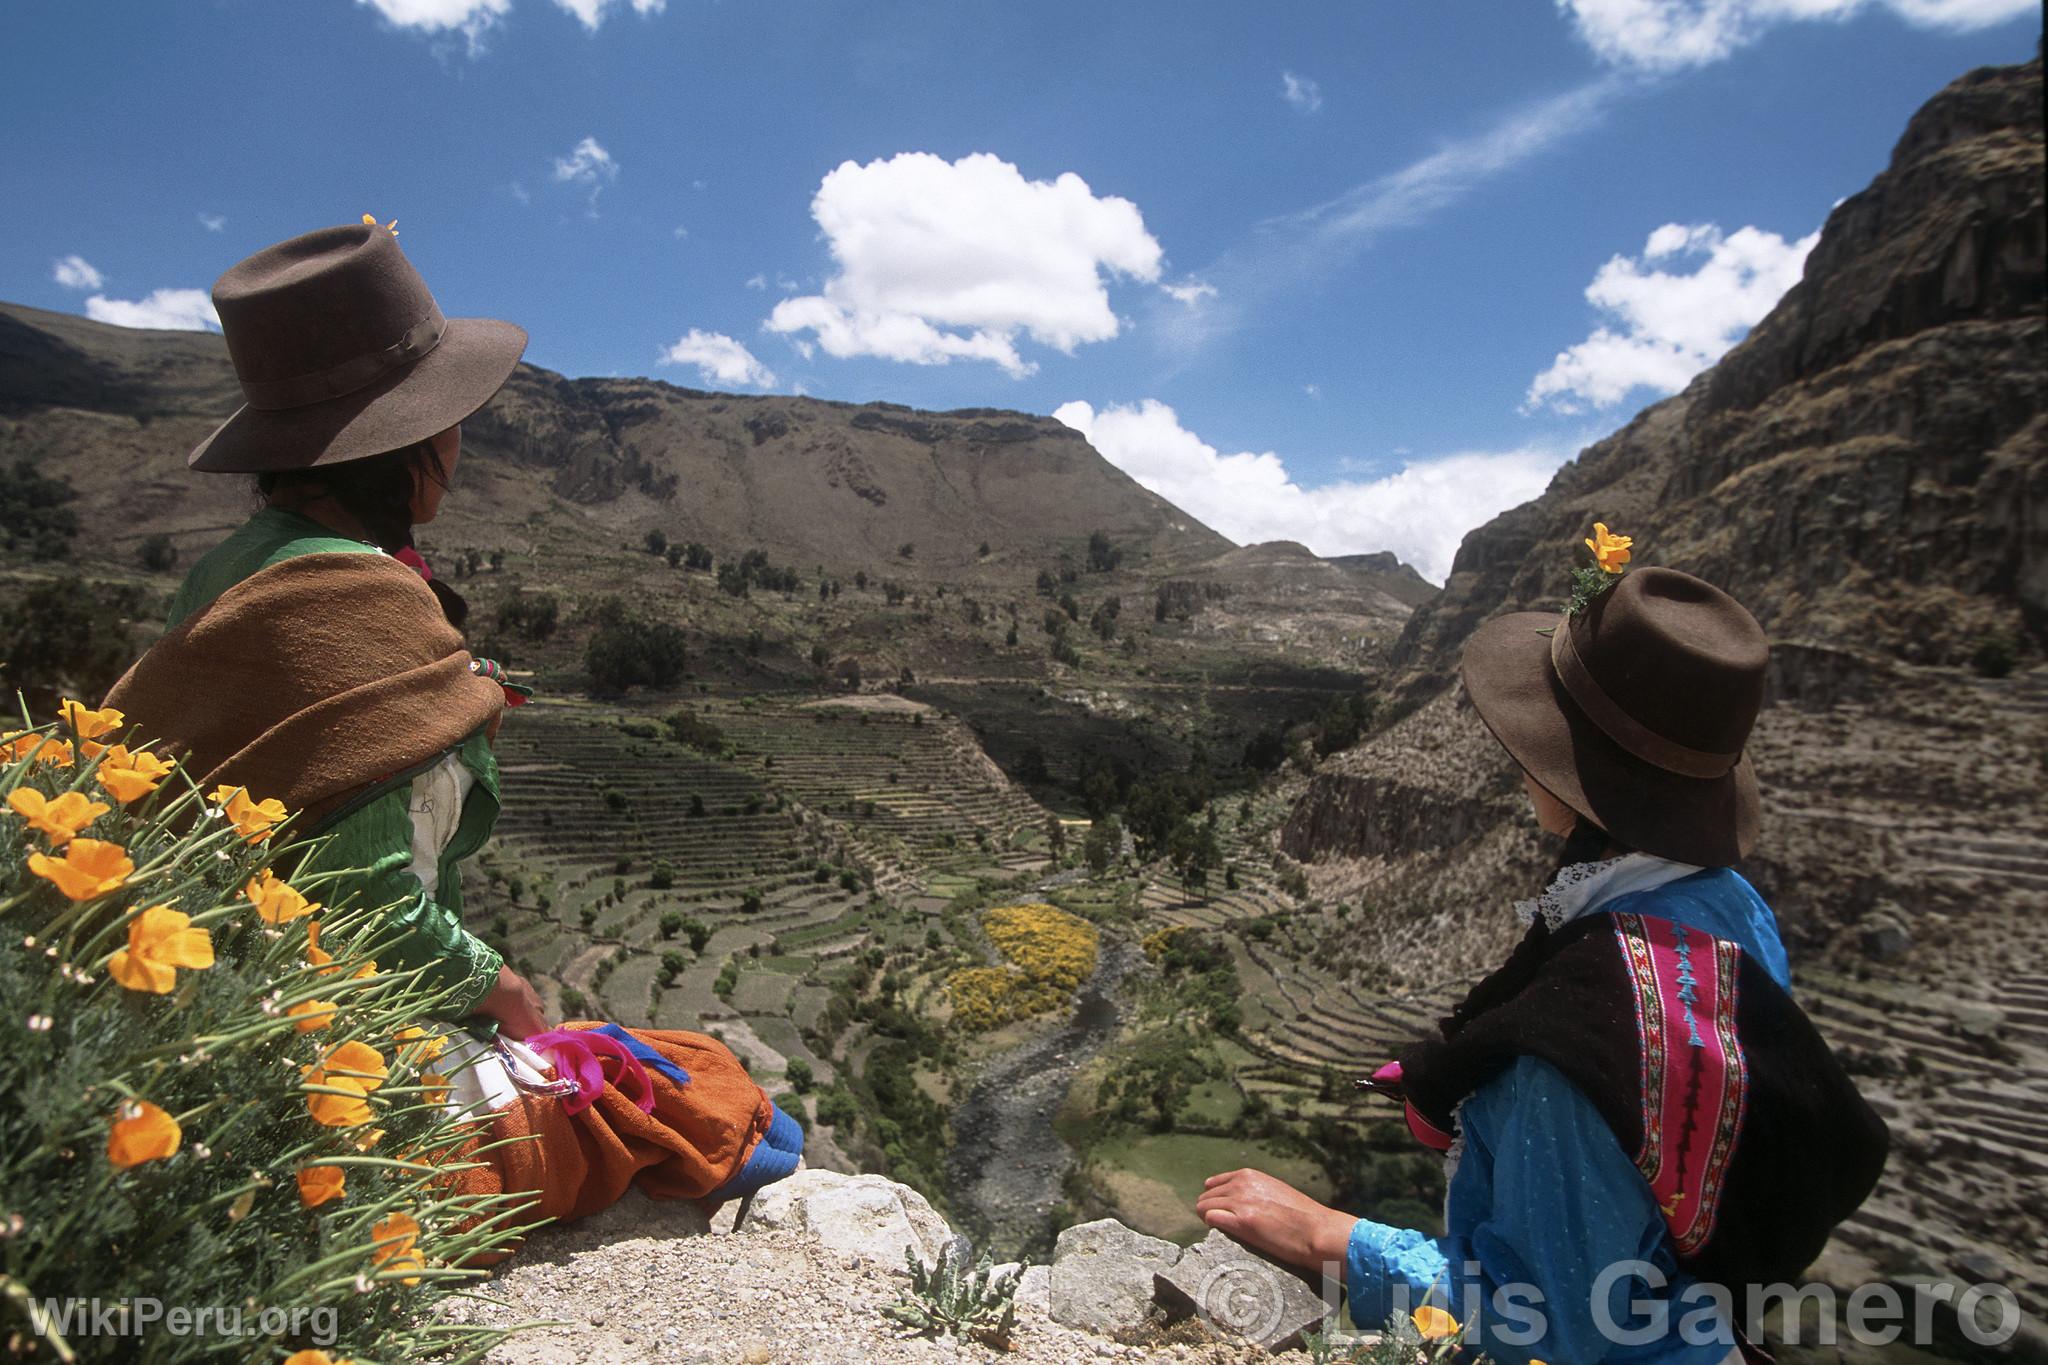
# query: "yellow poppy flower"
[[275, 900], [89, 724], [1609, 550], [89, 868], [1434, 1323], [160, 940], [312, 1357], [309, 1015], [418, 1045], [58, 819], [395, 1234], [129, 775], [142, 1133], [319, 1184], [316, 956], [16, 745], [437, 1087], [344, 1109], [251, 819], [369, 1138], [404, 1263], [359, 1063]]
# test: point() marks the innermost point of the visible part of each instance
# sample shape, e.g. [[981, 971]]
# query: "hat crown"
[[340, 302], [1678, 657]]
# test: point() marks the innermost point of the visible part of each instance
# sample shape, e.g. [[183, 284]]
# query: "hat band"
[[1618, 725], [296, 391]]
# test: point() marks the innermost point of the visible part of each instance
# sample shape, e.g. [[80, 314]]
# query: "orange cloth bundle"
[[713, 1136]]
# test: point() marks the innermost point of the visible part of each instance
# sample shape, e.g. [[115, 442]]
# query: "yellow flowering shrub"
[[1050, 953], [214, 1098]]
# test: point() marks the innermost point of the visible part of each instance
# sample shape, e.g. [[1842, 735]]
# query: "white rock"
[[1034, 1289], [866, 1216]]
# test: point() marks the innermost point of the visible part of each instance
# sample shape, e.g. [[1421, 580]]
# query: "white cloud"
[[1668, 326], [1420, 512], [589, 165], [177, 310], [1301, 92], [1312, 390], [757, 281], [681, 233], [719, 359], [470, 18], [1668, 34], [212, 222], [942, 260], [75, 272], [591, 12], [1191, 292]]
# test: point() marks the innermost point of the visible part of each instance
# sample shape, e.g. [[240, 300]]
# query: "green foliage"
[[836, 1109], [158, 553], [671, 924], [1588, 582], [35, 514], [217, 1220], [947, 1300], [663, 876], [673, 964], [66, 637], [530, 616], [693, 731], [1103, 845], [625, 653], [1994, 656], [1103, 556], [1344, 722], [799, 1073], [657, 542], [698, 933]]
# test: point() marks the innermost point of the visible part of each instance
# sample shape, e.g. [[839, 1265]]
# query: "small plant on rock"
[[949, 1300]]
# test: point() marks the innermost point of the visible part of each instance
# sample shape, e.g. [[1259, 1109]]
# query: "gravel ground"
[[648, 1282]]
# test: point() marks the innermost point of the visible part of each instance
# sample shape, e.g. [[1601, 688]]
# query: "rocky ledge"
[[822, 1253]]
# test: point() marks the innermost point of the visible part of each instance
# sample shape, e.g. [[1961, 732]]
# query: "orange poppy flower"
[[275, 900], [142, 1133], [309, 1015], [1610, 551], [89, 724], [342, 1105], [19, 744], [1434, 1323], [160, 940], [252, 819], [129, 775], [89, 868], [319, 1184], [59, 818]]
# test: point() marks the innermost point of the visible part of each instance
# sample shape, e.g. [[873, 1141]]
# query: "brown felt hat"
[[342, 354], [1634, 711]]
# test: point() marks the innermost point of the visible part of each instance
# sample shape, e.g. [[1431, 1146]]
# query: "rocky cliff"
[[1867, 472]]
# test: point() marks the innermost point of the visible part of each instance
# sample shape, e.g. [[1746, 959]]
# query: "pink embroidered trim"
[[1693, 1075]]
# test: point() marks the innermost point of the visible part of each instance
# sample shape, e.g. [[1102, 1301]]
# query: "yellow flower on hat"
[[143, 1132], [1609, 550], [130, 774], [370, 220], [1434, 1323], [89, 868], [160, 940], [57, 819]]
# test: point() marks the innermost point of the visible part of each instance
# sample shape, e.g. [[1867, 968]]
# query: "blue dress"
[[1545, 1202]]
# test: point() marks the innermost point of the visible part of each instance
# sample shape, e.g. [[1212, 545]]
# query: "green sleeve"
[[378, 839]]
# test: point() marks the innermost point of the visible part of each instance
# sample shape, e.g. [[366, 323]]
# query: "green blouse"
[[379, 831]]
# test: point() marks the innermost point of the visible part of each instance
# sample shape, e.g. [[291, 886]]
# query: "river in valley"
[[1007, 1164]]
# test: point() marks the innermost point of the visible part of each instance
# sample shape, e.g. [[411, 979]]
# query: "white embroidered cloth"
[[1585, 886]]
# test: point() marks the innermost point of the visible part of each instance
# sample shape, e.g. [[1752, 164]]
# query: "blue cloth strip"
[[645, 1055], [774, 1158]]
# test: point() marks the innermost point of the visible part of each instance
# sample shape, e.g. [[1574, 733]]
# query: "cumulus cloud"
[[589, 165], [1666, 325], [1420, 512], [1301, 92], [719, 359], [75, 272], [1191, 292], [1669, 34], [591, 12], [942, 260], [470, 18], [176, 310]]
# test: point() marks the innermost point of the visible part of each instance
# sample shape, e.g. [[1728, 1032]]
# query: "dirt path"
[[1007, 1164]]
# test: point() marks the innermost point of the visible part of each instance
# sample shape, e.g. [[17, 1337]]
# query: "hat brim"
[[442, 388], [1710, 822]]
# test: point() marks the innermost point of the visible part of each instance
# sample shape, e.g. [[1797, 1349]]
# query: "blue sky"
[[1319, 271]]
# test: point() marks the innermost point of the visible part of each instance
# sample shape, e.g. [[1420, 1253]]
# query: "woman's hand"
[[515, 1005], [1272, 1216]]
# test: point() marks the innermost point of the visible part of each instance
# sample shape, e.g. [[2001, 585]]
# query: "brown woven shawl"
[[310, 681]]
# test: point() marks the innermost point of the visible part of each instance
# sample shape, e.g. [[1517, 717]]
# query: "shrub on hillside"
[[213, 1104], [158, 553], [1994, 656], [622, 656], [35, 513], [1050, 953], [688, 728], [66, 636], [530, 616]]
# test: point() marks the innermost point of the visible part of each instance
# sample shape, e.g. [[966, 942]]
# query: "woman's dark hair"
[[1588, 843], [377, 491]]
